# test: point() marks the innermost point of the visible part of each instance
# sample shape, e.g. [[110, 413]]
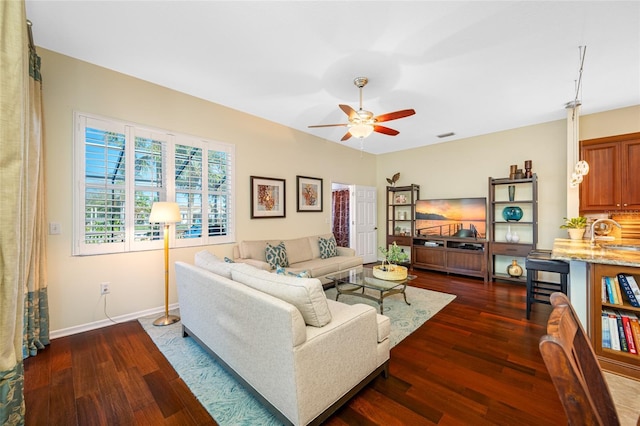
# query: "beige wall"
[[608, 123], [461, 168], [262, 148], [454, 169]]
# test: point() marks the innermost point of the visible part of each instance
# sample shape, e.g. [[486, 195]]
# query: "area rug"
[[226, 400]]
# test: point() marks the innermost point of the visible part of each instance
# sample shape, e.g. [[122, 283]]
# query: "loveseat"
[[300, 354], [313, 255]]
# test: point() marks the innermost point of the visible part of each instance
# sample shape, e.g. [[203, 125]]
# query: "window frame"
[[166, 190]]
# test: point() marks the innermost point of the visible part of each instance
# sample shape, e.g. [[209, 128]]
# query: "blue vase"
[[512, 213]]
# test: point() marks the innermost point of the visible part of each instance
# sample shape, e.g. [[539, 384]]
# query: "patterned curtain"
[[36, 309], [340, 214], [23, 311]]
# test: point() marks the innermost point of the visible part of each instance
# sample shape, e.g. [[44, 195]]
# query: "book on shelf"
[[608, 283], [613, 330], [635, 330], [623, 338], [628, 333], [606, 333], [629, 287], [613, 290], [616, 286]]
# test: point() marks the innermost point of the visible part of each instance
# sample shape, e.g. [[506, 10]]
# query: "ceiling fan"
[[362, 123]]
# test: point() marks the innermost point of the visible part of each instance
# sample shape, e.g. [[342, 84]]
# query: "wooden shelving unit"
[[401, 215], [620, 362], [464, 256], [501, 250]]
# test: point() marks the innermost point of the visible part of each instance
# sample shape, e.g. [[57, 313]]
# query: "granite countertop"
[[581, 250]]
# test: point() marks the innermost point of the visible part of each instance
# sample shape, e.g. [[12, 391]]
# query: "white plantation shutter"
[[122, 169]]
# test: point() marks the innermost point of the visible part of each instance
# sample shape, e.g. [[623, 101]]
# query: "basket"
[[397, 273]]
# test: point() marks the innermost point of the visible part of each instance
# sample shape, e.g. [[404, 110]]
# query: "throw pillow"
[[209, 261], [302, 274], [276, 255], [306, 294], [226, 259], [328, 247]]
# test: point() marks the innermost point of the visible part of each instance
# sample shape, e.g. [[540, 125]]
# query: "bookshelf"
[[617, 361], [401, 202], [501, 250]]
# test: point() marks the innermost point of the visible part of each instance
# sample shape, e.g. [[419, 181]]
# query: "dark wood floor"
[[476, 362]]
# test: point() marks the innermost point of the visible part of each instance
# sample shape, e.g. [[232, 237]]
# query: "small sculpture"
[[392, 181]]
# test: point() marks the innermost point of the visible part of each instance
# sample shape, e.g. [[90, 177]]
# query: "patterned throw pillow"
[[302, 274], [276, 255], [328, 247], [226, 259]]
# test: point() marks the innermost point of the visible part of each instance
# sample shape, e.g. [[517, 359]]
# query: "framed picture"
[[309, 194], [268, 198]]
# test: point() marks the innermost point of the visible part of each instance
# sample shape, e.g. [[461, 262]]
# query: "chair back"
[[574, 368]]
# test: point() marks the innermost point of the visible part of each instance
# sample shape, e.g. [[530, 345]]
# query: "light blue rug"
[[226, 400]]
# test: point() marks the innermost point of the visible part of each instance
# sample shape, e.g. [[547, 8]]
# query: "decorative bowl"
[[396, 273], [512, 213]]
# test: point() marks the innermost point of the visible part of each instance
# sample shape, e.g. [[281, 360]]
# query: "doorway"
[[354, 219]]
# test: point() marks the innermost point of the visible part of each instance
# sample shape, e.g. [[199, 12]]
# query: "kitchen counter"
[[581, 250], [581, 256]]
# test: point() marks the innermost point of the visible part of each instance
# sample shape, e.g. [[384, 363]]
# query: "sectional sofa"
[[312, 255], [301, 355]]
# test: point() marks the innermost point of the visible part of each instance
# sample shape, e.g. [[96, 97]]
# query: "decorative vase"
[[512, 192], [576, 233], [515, 238], [512, 213], [514, 270], [508, 236]]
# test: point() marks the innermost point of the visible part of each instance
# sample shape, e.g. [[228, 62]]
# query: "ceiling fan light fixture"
[[361, 130]]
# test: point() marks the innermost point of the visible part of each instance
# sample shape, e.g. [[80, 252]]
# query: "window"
[[123, 168]]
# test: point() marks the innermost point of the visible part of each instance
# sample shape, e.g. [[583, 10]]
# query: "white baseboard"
[[107, 322]]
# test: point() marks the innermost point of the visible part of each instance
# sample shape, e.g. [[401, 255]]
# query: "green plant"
[[579, 222], [393, 254]]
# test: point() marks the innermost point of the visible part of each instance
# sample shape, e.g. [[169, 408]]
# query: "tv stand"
[[453, 255]]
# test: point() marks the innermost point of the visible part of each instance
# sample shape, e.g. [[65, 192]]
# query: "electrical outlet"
[[105, 288]]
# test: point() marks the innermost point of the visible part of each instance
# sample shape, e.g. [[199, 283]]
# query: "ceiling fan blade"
[[329, 125], [346, 136], [352, 113], [394, 115], [385, 130]]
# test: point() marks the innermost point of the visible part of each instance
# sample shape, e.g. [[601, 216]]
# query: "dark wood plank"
[[475, 362]]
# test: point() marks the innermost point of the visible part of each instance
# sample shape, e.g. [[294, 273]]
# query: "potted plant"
[[575, 226], [390, 268]]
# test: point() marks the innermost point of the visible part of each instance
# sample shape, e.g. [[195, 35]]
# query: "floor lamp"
[[167, 213]]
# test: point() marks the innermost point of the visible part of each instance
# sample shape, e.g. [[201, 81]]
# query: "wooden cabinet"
[[613, 181], [464, 256], [616, 361], [401, 203], [503, 248]]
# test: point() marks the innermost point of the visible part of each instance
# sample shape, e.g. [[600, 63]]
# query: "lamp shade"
[[165, 212], [361, 130]]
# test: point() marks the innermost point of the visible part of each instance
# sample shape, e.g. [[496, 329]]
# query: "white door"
[[364, 222]]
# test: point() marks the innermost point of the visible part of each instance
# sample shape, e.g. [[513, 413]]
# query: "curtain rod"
[[31, 45]]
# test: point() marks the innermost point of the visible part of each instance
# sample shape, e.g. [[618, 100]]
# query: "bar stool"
[[538, 291]]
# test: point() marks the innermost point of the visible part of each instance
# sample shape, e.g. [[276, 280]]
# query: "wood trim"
[[615, 138]]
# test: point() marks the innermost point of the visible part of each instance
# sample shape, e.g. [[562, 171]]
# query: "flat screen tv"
[[454, 217]]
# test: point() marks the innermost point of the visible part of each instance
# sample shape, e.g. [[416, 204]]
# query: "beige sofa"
[[303, 255], [257, 325]]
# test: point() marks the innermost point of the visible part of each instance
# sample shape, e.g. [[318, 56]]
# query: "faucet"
[[593, 228]]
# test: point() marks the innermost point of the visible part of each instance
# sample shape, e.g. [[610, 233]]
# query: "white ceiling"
[[469, 67]]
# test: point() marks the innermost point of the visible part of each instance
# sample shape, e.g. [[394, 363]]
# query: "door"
[[364, 222]]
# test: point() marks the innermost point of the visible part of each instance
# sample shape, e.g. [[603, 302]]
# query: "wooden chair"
[[574, 368]]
